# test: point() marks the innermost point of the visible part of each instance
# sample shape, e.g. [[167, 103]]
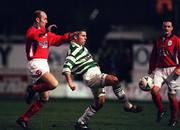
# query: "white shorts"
[[166, 75], [95, 80], [37, 67]]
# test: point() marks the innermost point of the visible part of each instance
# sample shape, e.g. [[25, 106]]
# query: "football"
[[146, 83]]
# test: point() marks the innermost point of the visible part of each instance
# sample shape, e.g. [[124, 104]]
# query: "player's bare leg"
[[89, 112], [120, 94], [48, 82]]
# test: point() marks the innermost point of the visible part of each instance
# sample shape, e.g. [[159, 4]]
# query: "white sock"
[[89, 112], [120, 94]]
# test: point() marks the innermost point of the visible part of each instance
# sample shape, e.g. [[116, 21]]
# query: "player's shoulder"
[[31, 29], [72, 47], [175, 38]]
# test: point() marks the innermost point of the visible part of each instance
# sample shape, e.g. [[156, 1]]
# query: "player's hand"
[[51, 27], [72, 86]]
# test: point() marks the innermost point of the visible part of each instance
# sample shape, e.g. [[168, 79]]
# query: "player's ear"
[[37, 20], [76, 36]]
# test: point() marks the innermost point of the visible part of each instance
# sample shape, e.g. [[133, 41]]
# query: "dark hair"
[[79, 28], [168, 19]]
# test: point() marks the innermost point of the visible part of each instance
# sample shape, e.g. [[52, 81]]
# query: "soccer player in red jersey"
[[38, 41], [165, 68]]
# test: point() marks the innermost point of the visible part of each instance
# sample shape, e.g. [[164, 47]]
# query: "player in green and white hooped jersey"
[[80, 61]]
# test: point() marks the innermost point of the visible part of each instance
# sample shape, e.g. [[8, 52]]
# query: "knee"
[[172, 95], [155, 90], [111, 80], [171, 92], [44, 99], [99, 103], [54, 85]]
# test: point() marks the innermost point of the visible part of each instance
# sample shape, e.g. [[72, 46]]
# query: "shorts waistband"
[[38, 59]]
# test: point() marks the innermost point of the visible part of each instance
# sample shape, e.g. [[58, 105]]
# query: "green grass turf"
[[60, 114]]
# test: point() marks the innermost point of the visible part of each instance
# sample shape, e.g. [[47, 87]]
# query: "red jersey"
[[38, 42], [165, 53]]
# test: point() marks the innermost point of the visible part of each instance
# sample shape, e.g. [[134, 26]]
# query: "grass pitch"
[[61, 114]]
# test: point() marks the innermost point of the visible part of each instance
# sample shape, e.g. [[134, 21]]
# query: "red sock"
[[35, 107], [41, 87], [174, 107], [158, 101]]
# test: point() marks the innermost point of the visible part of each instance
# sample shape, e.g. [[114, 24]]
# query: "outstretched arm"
[[69, 80], [57, 40]]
